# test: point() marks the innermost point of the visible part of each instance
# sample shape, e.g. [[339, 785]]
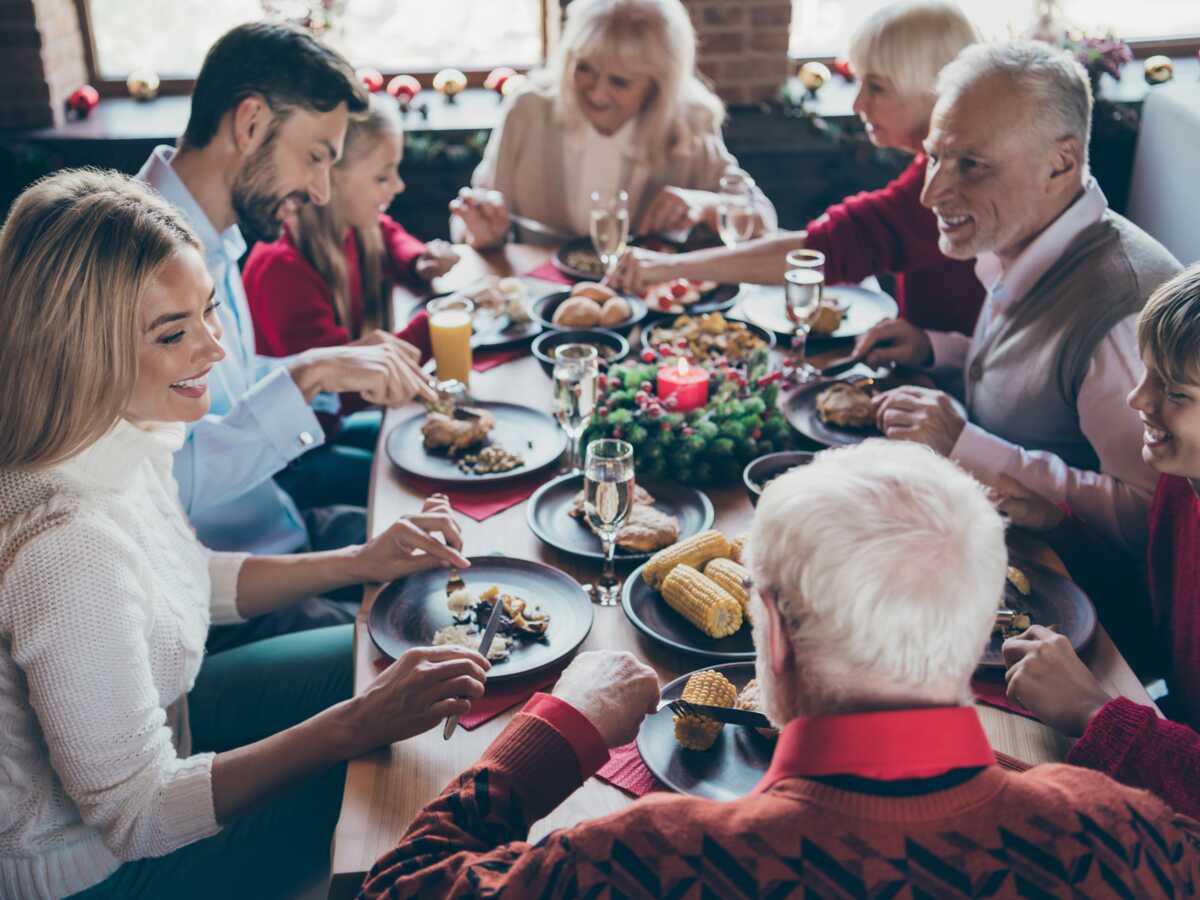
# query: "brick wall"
[[42, 49], [743, 46]]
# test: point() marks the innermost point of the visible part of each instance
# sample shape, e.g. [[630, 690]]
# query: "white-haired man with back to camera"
[[1054, 351], [877, 573]]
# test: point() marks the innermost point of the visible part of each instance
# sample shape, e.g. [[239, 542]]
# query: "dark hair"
[[283, 63]]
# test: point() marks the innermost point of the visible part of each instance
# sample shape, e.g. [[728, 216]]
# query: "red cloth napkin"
[[485, 501], [990, 690], [489, 359], [547, 272], [626, 771]]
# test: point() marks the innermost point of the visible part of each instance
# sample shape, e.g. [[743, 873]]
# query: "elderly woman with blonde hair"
[[132, 764], [897, 54], [618, 108]]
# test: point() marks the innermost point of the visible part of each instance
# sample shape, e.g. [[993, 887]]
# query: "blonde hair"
[[909, 43], [321, 238], [847, 543], [645, 37], [1168, 328], [76, 254]]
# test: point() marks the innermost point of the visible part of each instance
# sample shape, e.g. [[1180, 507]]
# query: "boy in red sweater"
[[1119, 737], [882, 782]]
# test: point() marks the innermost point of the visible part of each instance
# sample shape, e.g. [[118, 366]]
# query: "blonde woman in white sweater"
[[130, 765]]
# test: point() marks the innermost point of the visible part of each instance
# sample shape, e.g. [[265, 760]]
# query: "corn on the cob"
[[734, 579], [737, 549], [702, 602], [710, 689], [694, 552]]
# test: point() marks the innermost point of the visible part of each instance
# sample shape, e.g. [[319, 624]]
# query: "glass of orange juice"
[[450, 334]]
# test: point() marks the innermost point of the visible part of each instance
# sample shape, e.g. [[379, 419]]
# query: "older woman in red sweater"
[[897, 53], [1121, 738]]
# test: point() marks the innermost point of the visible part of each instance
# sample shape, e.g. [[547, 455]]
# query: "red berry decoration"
[[601, 381], [617, 432], [602, 411], [756, 434], [688, 430], [648, 356], [646, 386], [371, 78], [82, 101]]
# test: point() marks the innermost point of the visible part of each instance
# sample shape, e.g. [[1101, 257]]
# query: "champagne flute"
[[735, 219], [804, 283], [607, 496], [610, 226], [576, 367]]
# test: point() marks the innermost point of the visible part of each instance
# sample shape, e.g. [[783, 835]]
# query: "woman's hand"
[[414, 693], [673, 209], [1022, 506], [410, 545], [438, 259], [1047, 678], [637, 269], [484, 216]]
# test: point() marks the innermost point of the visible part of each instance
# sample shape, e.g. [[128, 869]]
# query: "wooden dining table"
[[387, 788]]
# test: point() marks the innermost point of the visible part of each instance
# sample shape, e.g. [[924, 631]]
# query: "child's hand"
[[438, 259]]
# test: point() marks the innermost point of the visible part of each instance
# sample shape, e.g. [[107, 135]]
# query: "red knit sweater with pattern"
[[888, 230]]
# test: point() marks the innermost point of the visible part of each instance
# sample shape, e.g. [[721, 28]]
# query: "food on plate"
[[516, 300], [615, 311], [701, 601], [490, 460], [585, 261], [709, 335], [519, 621], [466, 428], [577, 312], [750, 698], [1010, 623], [707, 688], [1019, 580], [824, 317], [737, 549], [694, 551], [645, 528], [470, 636], [593, 290], [845, 404], [677, 294], [732, 577]]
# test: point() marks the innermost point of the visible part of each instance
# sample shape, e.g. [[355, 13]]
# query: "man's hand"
[[484, 215], [613, 689], [1047, 678], [438, 259], [382, 372], [895, 342], [638, 269], [1022, 506], [920, 414]]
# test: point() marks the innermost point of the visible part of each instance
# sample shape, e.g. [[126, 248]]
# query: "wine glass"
[[735, 220], [610, 226], [804, 283], [575, 369], [607, 497]]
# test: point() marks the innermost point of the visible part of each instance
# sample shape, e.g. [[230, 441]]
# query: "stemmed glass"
[[576, 367], [804, 282], [735, 220], [608, 495], [610, 226]]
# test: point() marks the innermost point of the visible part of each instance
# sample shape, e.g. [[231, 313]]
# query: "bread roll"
[[577, 312], [615, 311], [593, 291]]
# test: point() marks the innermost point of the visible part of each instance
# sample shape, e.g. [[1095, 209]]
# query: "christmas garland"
[[704, 446]]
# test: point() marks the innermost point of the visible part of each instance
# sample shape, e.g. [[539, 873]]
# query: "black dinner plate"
[[800, 409], [407, 613], [490, 332], [720, 299], [647, 331], [519, 429], [1053, 599], [547, 512], [764, 305], [729, 769], [544, 307], [761, 471], [648, 611]]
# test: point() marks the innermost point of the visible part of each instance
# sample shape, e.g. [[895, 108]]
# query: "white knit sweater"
[[105, 602]]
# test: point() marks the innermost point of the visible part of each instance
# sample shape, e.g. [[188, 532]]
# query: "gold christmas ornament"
[[814, 75], [1159, 69], [449, 82], [142, 84]]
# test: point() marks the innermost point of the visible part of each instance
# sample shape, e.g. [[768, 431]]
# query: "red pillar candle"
[[687, 384]]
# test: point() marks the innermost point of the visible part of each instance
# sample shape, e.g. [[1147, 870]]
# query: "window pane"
[[399, 35], [1154, 18]]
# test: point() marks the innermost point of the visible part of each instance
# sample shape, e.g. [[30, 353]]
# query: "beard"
[[256, 200]]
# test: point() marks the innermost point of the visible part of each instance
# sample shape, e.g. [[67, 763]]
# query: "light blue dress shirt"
[[258, 421]]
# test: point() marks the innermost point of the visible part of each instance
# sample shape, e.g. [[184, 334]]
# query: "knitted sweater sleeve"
[[76, 610], [1130, 743]]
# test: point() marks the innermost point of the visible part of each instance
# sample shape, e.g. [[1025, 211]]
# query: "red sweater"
[[888, 230], [977, 831], [1128, 741]]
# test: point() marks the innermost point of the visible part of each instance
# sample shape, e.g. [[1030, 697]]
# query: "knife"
[[727, 714], [540, 228], [485, 644]]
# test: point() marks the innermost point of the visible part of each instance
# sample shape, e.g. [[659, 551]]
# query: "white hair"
[[1054, 83], [887, 564], [909, 43], [654, 38]]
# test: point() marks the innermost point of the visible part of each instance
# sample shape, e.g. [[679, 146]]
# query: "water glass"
[[576, 367], [608, 486], [736, 218]]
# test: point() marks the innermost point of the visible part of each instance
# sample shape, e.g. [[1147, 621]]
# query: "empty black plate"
[[408, 613], [649, 613], [548, 517], [519, 429], [730, 768]]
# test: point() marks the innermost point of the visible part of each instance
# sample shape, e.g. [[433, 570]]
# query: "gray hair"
[[1055, 84], [909, 42]]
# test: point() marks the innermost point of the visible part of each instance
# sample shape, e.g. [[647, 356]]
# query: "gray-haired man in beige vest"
[[1054, 352]]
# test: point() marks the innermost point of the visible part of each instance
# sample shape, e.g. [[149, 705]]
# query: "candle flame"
[[682, 366]]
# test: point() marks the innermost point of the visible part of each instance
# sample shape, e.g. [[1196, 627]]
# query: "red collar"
[[887, 746]]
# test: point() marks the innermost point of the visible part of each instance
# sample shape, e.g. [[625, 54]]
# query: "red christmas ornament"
[[404, 88], [82, 101], [372, 78], [497, 77], [841, 66]]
